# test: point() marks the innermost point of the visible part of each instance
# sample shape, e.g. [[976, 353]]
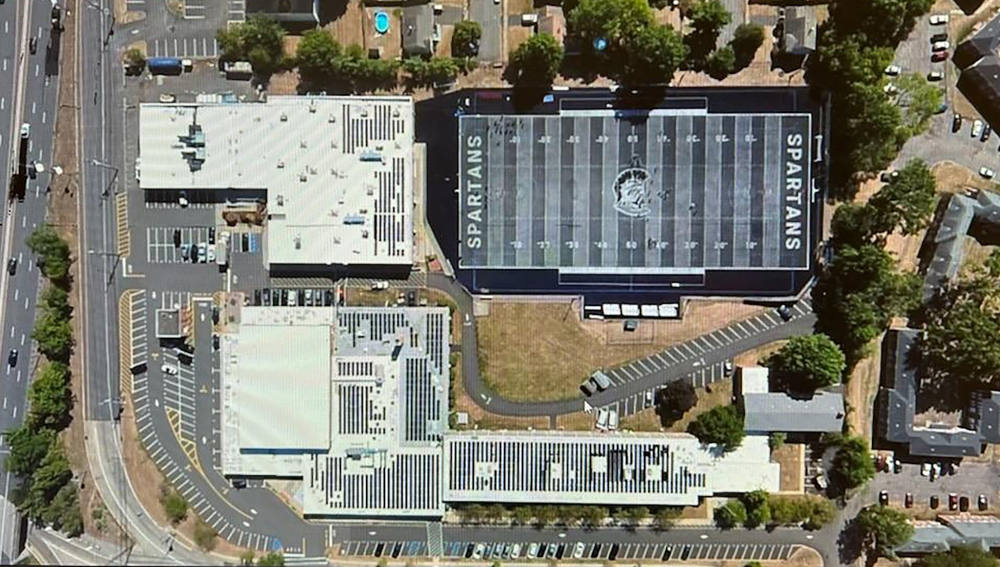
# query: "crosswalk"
[[205, 47]]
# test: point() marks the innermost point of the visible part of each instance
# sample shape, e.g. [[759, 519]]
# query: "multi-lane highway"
[[29, 89]]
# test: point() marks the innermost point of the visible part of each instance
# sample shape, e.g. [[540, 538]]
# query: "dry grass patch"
[[721, 394], [349, 28], [757, 356], [559, 351], [480, 418], [860, 391], [577, 421], [791, 458], [645, 420]]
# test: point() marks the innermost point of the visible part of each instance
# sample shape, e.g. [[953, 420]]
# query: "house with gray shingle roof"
[[948, 531], [765, 411]]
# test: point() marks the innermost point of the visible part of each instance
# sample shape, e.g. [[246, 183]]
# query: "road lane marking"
[[22, 339]]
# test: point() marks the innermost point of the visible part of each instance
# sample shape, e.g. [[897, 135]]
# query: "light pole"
[[105, 165]]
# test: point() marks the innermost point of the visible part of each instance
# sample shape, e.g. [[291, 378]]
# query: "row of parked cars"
[[955, 502]]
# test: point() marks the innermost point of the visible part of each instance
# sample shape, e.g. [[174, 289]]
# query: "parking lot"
[[970, 479], [566, 550], [203, 47], [162, 247]]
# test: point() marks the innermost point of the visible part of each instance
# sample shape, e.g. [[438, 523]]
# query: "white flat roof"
[[277, 376], [337, 171]]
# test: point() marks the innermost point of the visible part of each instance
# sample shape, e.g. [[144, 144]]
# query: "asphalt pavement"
[[35, 75], [489, 14]]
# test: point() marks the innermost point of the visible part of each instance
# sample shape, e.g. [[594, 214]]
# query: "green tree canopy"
[[879, 22], [611, 20], [52, 252], [175, 506], [55, 300], [959, 556], [722, 425], [730, 515], [63, 513], [708, 16], [28, 448], [465, 39], [758, 508], [433, 71], [873, 126], [135, 59], [258, 40], [664, 517], [651, 56], [923, 99], [272, 559], [721, 62], [747, 39], [54, 336], [50, 397], [813, 512], [884, 528], [674, 399], [536, 61], [906, 202], [852, 464], [807, 362], [316, 56], [52, 474]]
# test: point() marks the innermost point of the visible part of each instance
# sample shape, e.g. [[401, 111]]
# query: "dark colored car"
[[952, 501], [935, 502], [986, 133], [211, 235], [411, 298], [939, 56], [215, 341], [883, 497], [939, 37], [177, 237], [963, 503], [33, 45], [12, 266], [785, 313], [239, 483], [12, 357], [956, 122], [908, 502], [256, 297], [215, 315]]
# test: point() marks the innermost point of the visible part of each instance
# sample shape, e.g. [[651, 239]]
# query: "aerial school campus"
[[580, 281]]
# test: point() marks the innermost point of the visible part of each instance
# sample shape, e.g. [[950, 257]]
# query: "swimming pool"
[[381, 22]]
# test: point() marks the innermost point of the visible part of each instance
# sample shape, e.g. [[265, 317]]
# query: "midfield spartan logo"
[[631, 190]]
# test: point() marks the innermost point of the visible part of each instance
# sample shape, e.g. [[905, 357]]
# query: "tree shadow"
[[850, 543]]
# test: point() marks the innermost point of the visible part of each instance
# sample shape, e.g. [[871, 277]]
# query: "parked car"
[[33, 45], [941, 36], [897, 466], [887, 176], [963, 503], [515, 551], [167, 98], [784, 312], [12, 357], [379, 285], [185, 251], [935, 501], [977, 128], [956, 122], [613, 420], [602, 419], [12, 266], [982, 502], [478, 552], [939, 56], [940, 46], [935, 76], [532, 551], [987, 130], [892, 70], [890, 89], [883, 498], [908, 501], [925, 469], [952, 501], [986, 172], [578, 550], [167, 369], [938, 19]]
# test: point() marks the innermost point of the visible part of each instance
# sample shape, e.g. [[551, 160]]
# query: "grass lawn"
[[543, 351]]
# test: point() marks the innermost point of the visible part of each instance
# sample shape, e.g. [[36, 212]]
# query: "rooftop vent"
[[331, 118], [281, 200], [302, 178], [298, 242], [312, 107], [284, 117], [281, 164]]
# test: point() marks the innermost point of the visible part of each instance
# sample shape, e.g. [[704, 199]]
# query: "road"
[[29, 88], [707, 354]]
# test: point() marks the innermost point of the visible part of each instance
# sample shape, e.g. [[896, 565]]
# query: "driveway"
[[489, 14]]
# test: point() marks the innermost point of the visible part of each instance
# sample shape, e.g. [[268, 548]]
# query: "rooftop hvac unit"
[[364, 112], [298, 242], [354, 219], [312, 107], [281, 200], [364, 234], [284, 117], [302, 178], [370, 155], [281, 164], [302, 144], [331, 118]]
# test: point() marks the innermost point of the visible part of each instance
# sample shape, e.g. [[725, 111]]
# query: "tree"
[[757, 507], [840, 62], [708, 17], [135, 60], [593, 516], [664, 517], [205, 536], [55, 300], [63, 513], [495, 513], [959, 556], [28, 447], [54, 336], [807, 362], [545, 515], [247, 557], [879, 22], [852, 465], [722, 425], [730, 515], [776, 440], [632, 515], [465, 39], [258, 40], [853, 225], [521, 515], [433, 71], [316, 56], [650, 57], [472, 513], [50, 397], [51, 475], [721, 62], [923, 101], [884, 528], [747, 39], [674, 399], [52, 251], [611, 20], [812, 511], [272, 559], [873, 130], [906, 202], [536, 61], [175, 506]]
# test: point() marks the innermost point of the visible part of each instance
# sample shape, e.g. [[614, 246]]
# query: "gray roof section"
[[799, 37], [777, 411], [962, 211], [418, 30], [900, 400], [949, 531]]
